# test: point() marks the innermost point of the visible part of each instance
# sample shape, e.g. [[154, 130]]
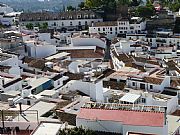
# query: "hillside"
[[39, 5]]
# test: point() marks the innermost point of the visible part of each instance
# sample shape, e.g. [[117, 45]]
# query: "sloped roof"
[[69, 15], [153, 80]]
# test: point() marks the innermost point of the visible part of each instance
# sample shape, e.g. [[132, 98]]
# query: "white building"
[[64, 20], [136, 97], [39, 49], [7, 20], [10, 83], [148, 82], [88, 40], [61, 39], [5, 17], [77, 66], [5, 9], [90, 88], [165, 52], [58, 80], [122, 26], [161, 39], [52, 128], [171, 102], [128, 46], [113, 118], [11, 62], [164, 39]]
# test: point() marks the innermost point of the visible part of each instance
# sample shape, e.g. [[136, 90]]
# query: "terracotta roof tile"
[[136, 118], [69, 15], [36, 63], [88, 53], [153, 80]]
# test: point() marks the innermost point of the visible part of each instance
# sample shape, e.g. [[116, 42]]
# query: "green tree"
[[70, 8], [81, 5], [144, 11], [148, 2], [29, 26], [45, 25], [109, 5], [135, 2], [93, 3], [123, 2], [38, 25], [175, 6]]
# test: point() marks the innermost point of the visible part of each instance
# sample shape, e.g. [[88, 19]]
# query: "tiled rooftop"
[[36, 63], [87, 53], [136, 118], [69, 15]]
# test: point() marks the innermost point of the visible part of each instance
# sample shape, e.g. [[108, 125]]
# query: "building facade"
[[69, 20], [122, 26]]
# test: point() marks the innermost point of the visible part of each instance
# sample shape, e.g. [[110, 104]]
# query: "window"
[[33, 91], [93, 16], [98, 29], [151, 86], [103, 29], [142, 86], [86, 23], [110, 29], [58, 82], [85, 16], [79, 16], [143, 100], [28, 102], [133, 83], [62, 23], [70, 23], [79, 23]]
